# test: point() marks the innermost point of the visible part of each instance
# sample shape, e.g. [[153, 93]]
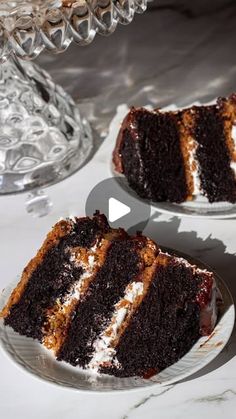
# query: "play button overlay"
[[120, 207], [117, 210]]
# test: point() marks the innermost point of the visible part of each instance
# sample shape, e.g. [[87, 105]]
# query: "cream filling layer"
[[104, 352], [194, 166], [233, 163], [88, 268]]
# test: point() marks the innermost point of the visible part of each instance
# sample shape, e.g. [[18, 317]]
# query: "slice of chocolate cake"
[[177, 156], [53, 280], [110, 302]]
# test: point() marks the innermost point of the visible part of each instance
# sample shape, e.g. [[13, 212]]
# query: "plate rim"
[[157, 206], [175, 380]]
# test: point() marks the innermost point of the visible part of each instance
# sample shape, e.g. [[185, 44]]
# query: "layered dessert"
[[181, 155], [109, 302]]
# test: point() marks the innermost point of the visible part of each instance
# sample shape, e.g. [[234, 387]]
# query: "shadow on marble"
[[212, 252], [176, 52]]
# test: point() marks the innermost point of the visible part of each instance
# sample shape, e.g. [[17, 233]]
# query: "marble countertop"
[[202, 46]]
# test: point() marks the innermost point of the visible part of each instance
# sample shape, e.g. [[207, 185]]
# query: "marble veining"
[[218, 398], [146, 399]]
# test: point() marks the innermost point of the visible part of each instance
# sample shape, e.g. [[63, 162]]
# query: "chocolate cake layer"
[[218, 180], [151, 156]]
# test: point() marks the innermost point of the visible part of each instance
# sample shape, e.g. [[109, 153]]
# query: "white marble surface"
[[205, 48], [210, 393]]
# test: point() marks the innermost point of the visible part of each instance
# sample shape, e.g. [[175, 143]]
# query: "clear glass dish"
[[43, 137]]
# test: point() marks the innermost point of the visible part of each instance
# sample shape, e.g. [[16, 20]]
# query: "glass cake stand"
[[43, 137]]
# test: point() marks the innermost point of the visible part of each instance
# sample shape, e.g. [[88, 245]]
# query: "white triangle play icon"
[[117, 209]]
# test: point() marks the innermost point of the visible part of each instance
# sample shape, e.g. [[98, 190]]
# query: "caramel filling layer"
[[229, 115], [188, 146]]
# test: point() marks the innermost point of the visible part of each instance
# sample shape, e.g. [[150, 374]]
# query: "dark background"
[[179, 51]]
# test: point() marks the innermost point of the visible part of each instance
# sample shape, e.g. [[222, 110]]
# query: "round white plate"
[[199, 208], [34, 358]]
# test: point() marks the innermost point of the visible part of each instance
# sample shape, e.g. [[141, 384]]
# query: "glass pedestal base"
[[42, 136]]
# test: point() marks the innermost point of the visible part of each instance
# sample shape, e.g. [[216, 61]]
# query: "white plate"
[[200, 208], [34, 358], [197, 208]]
